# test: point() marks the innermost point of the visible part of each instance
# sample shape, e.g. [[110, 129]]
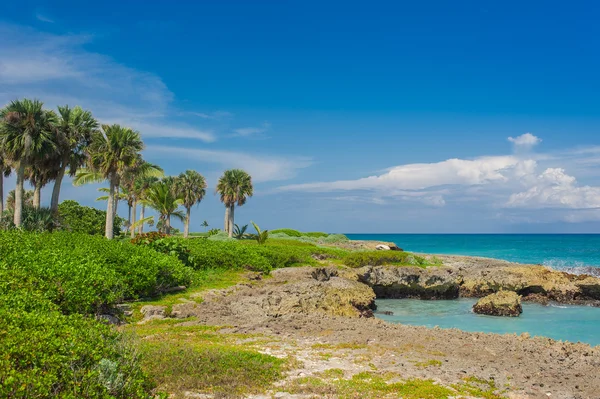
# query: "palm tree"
[[163, 199], [139, 170], [111, 152], [191, 188], [11, 200], [26, 135], [142, 185], [5, 171], [39, 174], [74, 133], [234, 187], [205, 225]]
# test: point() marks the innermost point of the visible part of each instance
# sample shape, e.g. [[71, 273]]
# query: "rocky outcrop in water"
[[502, 303], [479, 277]]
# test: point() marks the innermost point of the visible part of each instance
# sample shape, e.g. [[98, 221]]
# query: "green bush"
[[46, 353], [165, 244], [220, 236], [288, 232], [82, 273], [315, 234], [378, 258], [248, 254], [83, 219]]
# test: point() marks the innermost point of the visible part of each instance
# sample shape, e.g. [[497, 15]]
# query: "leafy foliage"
[[260, 236], [238, 232], [378, 258], [288, 232], [84, 219], [38, 220], [82, 273], [213, 232], [163, 243]]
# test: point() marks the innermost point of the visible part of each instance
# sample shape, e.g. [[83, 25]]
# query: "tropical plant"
[[74, 131], [260, 236], [26, 137], [110, 154], [238, 232], [205, 225], [84, 219], [213, 232], [162, 198], [11, 199], [139, 170], [141, 187], [191, 188], [234, 187], [34, 220]]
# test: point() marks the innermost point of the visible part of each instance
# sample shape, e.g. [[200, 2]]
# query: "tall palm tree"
[[139, 170], [5, 171], [163, 199], [234, 187], [142, 185], [110, 153], [191, 188], [26, 135], [74, 132]]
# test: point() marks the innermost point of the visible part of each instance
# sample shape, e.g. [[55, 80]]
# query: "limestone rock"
[[502, 303], [383, 247], [155, 312]]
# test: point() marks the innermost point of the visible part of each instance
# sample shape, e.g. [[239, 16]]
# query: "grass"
[[429, 363], [192, 358]]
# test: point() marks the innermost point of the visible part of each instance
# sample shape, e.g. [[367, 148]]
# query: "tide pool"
[[560, 322]]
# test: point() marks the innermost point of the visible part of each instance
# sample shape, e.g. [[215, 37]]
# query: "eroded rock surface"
[[479, 277], [502, 303]]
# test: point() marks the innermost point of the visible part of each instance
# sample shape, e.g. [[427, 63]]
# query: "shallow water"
[[561, 322], [560, 251]]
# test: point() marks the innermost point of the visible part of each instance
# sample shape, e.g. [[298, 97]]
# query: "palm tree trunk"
[[142, 211], [133, 218], [37, 195], [128, 215], [186, 229], [56, 188], [19, 190], [168, 225], [231, 220], [110, 210], [226, 228]]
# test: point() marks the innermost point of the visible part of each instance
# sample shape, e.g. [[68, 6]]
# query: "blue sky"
[[351, 116]]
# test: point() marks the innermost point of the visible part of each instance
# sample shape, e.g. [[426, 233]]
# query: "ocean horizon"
[[559, 251]]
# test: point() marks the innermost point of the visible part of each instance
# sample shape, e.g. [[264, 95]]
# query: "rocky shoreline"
[[474, 277], [323, 317]]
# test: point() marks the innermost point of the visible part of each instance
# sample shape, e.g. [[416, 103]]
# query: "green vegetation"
[[377, 258], [51, 287], [84, 219], [261, 237], [234, 188]]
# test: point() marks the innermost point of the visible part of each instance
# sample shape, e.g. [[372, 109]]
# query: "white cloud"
[[423, 175], [216, 115], [58, 70], [262, 168], [556, 189], [252, 131], [525, 141]]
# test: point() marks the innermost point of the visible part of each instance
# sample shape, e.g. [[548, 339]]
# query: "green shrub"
[[220, 236], [288, 232], [165, 244], [378, 258], [315, 234], [84, 219], [46, 353], [82, 273]]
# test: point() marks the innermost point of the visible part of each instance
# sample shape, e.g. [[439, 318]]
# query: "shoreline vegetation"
[[91, 306]]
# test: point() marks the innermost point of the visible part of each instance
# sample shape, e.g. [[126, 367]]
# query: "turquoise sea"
[[558, 251], [570, 252], [561, 322]]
